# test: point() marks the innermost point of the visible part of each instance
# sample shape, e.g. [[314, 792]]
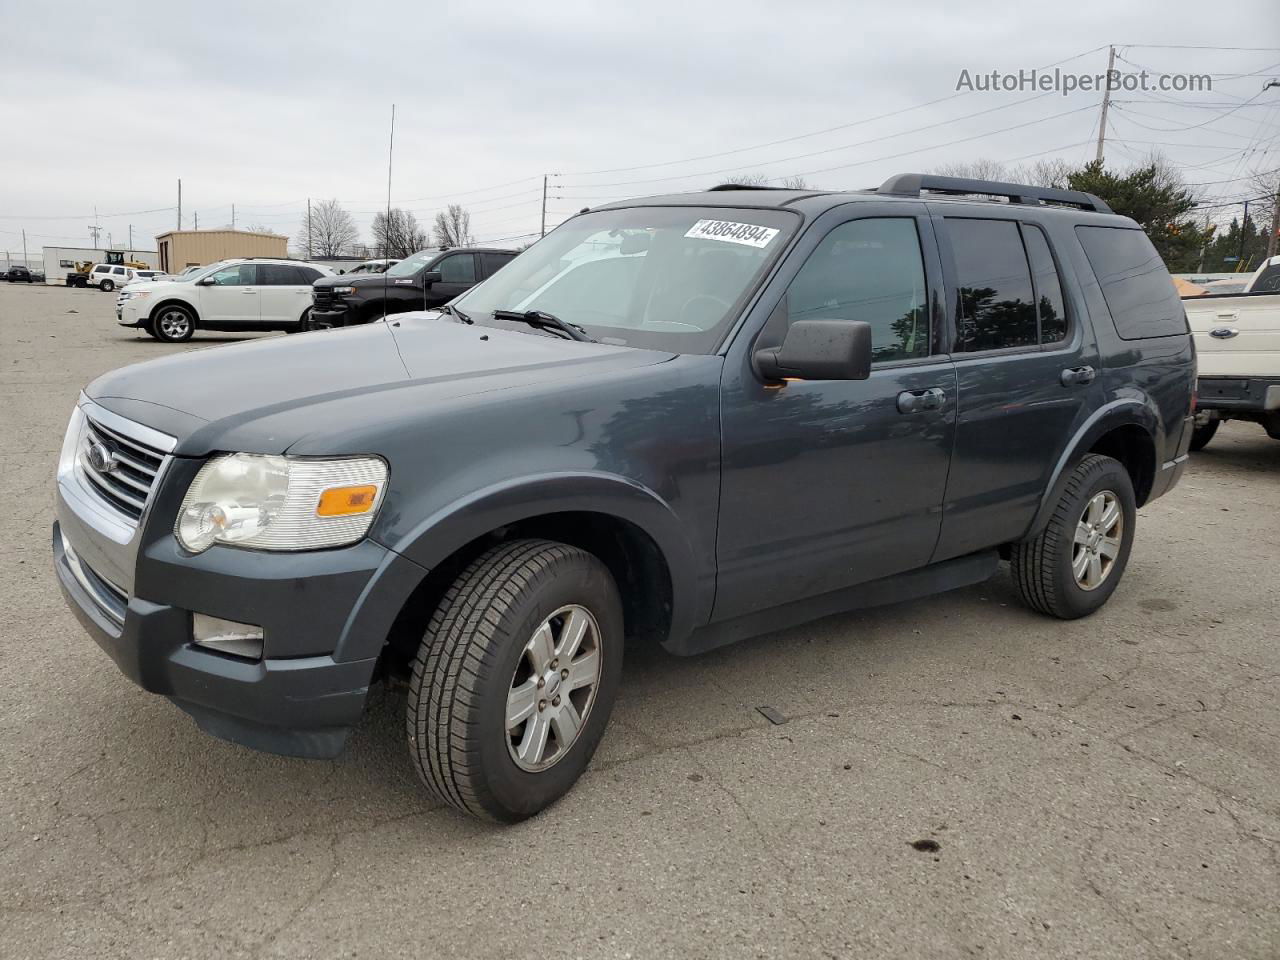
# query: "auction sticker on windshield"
[[726, 230]]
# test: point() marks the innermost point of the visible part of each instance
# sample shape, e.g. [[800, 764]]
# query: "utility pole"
[[131, 239], [233, 216], [308, 228], [94, 230], [1275, 224], [197, 219], [543, 231], [24, 246], [1106, 101], [179, 203]]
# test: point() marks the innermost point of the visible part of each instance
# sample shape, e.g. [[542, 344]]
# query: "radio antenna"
[[386, 227]]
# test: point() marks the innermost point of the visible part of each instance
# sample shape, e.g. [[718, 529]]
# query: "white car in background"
[[107, 277], [240, 294]]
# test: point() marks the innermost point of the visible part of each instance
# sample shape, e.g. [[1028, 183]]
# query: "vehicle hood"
[[261, 396]]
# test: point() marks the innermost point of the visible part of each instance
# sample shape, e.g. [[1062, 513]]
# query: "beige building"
[[180, 249]]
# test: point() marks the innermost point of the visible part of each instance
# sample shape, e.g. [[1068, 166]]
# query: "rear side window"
[[280, 275], [1049, 303], [490, 263], [997, 307], [1134, 282], [1269, 282], [308, 275]]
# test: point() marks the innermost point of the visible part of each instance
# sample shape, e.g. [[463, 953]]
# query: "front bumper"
[[325, 616], [1238, 394], [130, 313], [331, 313]]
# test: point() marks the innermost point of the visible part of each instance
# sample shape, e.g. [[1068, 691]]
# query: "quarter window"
[[869, 270], [996, 305], [457, 269], [492, 262], [1141, 297]]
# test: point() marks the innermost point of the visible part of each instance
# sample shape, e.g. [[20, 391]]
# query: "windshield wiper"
[[453, 311], [545, 321]]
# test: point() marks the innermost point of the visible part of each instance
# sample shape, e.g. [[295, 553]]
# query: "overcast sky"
[[265, 104]]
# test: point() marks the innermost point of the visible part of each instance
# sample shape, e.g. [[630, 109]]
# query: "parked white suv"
[[106, 277], [231, 295]]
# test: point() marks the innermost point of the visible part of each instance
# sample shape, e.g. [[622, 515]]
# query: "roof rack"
[[744, 186], [913, 184]]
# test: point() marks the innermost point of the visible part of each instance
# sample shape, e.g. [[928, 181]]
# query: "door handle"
[[248, 290], [917, 401], [1077, 376]]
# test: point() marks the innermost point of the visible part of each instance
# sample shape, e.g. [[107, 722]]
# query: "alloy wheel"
[[1098, 537], [174, 324], [553, 688]]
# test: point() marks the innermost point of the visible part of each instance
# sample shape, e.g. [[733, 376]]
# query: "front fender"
[[1124, 411], [434, 539]]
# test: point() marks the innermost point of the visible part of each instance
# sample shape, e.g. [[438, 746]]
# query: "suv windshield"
[[412, 264], [666, 278]]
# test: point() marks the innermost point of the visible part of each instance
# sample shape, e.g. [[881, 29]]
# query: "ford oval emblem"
[[100, 458], [1224, 333]]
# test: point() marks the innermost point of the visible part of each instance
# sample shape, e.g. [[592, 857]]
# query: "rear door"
[[1026, 368], [284, 295], [830, 483], [233, 299]]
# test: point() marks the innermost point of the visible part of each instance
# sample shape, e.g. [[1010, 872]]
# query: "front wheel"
[[107, 286], [515, 679], [1074, 565], [172, 324]]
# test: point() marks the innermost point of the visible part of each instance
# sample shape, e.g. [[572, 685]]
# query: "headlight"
[[71, 442], [280, 503], [344, 291]]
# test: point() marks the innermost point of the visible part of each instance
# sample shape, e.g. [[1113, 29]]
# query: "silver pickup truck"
[[1238, 355]]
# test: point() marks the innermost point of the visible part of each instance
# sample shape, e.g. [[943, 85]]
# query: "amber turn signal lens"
[[345, 501]]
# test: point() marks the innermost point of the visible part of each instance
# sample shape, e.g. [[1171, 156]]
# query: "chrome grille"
[[126, 482]]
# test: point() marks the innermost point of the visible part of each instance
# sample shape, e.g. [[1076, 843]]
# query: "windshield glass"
[[201, 272], [666, 278], [412, 264]]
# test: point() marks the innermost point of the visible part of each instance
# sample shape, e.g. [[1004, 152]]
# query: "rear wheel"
[[1202, 433], [107, 286], [172, 323], [515, 679], [1074, 565]]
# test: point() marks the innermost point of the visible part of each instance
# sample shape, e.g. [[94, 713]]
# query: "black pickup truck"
[[677, 421], [428, 279]]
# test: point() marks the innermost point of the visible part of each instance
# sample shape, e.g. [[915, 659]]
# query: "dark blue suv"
[[680, 420]]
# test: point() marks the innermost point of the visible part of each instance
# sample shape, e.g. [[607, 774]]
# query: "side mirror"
[[205, 282], [819, 350], [430, 277]]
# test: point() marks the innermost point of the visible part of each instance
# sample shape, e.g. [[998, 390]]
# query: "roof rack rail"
[[913, 184], [744, 186]]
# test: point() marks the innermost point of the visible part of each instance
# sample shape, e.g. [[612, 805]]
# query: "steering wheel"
[[722, 307]]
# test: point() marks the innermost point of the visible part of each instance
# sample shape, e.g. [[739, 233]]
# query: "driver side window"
[[240, 275], [460, 268], [869, 270]]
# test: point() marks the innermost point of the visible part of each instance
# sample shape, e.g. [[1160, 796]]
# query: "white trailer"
[[60, 261]]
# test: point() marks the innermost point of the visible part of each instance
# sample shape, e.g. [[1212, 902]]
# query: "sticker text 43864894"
[[727, 231]]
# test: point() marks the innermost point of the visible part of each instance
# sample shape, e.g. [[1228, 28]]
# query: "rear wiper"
[[453, 311], [545, 321]]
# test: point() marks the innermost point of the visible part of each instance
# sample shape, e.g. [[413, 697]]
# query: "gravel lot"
[[1103, 788]]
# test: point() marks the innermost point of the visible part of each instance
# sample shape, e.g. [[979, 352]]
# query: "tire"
[[107, 286], [1201, 434], [172, 323], [477, 652], [1043, 568]]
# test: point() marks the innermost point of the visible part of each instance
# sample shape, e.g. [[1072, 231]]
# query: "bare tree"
[[749, 179], [330, 232], [1044, 173], [397, 234], [453, 227], [1266, 186], [795, 183], [980, 169]]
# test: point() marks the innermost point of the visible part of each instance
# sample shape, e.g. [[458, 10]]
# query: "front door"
[[457, 276], [232, 299], [827, 484]]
